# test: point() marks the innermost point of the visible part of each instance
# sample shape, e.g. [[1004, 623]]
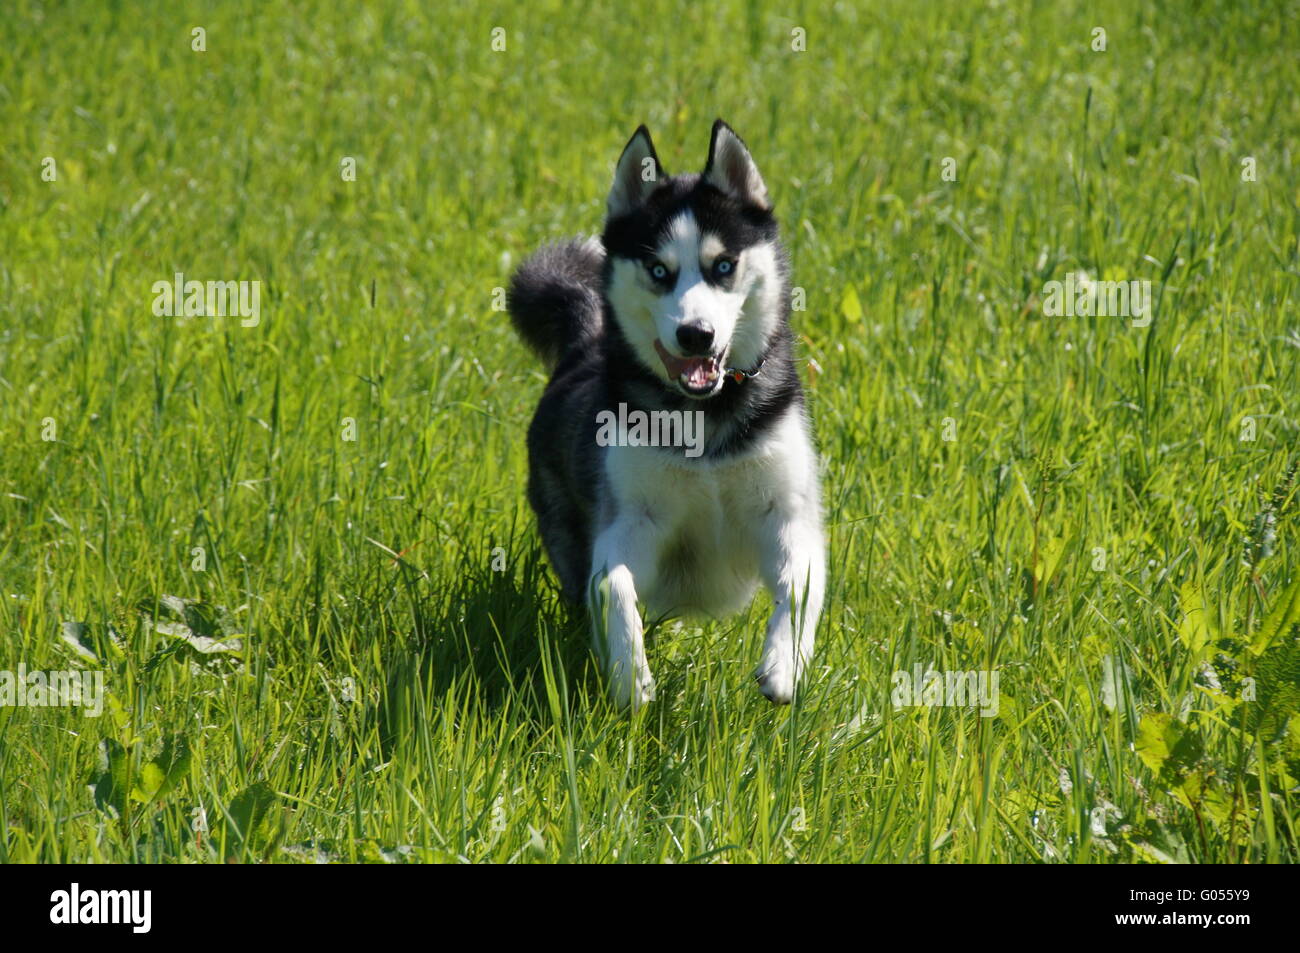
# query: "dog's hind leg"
[[622, 560], [565, 529], [564, 535]]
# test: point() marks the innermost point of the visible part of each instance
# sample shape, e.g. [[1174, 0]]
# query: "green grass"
[[427, 707]]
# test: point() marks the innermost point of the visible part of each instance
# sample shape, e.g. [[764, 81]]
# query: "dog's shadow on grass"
[[496, 639]]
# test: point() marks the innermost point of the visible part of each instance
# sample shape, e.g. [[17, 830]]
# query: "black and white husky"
[[679, 314]]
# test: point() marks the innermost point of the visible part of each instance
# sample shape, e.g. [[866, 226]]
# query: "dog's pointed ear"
[[637, 175], [731, 168]]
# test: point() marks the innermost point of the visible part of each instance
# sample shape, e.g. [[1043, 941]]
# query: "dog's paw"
[[631, 692], [776, 678]]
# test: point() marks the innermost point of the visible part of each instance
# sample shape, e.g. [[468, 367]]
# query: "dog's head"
[[694, 274]]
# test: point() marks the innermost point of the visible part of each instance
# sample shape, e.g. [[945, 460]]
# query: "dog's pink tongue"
[[697, 371]]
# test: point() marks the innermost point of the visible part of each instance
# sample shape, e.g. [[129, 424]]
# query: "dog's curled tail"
[[554, 297]]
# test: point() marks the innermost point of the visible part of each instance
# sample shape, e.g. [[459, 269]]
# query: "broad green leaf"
[[112, 780], [1158, 734], [250, 813], [147, 785], [77, 635], [161, 775], [1050, 553], [1116, 685], [1284, 614], [1194, 629], [850, 306]]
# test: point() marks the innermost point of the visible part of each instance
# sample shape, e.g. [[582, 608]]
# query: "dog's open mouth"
[[698, 376]]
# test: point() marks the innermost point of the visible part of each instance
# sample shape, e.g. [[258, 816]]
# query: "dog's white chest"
[[707, 522]]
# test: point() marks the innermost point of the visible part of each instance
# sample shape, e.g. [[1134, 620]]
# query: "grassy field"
[[315, 647]]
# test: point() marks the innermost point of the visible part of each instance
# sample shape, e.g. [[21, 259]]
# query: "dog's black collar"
[[739, 376]]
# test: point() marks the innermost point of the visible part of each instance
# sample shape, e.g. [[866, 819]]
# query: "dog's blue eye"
[[657, 270], [724, 266]]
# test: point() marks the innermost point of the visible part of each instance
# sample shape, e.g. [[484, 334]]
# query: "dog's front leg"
[[794, 570], [619, 564]]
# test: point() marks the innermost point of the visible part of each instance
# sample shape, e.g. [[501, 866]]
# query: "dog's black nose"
[[695, 339]]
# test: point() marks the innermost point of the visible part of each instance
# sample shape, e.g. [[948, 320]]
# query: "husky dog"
[[682, 306]]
